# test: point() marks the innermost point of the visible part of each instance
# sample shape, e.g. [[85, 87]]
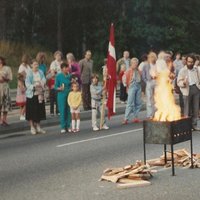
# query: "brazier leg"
[[172, 155]]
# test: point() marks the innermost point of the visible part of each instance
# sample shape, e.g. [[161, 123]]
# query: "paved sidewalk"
[[15, 125]]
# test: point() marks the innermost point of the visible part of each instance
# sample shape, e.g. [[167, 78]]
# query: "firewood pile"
[[139, 174], [182, 158], [130, 175]]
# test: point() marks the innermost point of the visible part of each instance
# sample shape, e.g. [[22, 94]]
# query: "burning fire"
[[167, 110]]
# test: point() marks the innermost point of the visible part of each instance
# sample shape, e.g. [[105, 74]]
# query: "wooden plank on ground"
[[139, 183]]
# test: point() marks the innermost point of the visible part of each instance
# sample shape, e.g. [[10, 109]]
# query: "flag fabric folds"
[[112, 80]]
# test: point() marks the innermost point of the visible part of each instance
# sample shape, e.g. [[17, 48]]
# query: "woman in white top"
[[55, 65], [35, 105]]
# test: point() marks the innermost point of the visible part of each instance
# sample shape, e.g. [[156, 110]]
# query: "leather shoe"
[[195, 128]]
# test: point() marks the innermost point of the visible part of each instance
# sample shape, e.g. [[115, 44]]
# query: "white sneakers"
[[63, 131], [33, 131], [36, 130], [95, 128], [39, 130], [22, 118], [105, 127]]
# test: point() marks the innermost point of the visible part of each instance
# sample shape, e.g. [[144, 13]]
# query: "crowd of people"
[[141, 79], [70, 84]]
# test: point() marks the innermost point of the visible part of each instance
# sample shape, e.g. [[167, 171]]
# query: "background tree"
[[140, 25]]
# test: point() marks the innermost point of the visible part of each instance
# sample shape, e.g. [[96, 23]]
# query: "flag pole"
[[111, 82], [103, 107]]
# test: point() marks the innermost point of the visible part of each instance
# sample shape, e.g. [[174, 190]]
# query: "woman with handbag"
[[35, 105]]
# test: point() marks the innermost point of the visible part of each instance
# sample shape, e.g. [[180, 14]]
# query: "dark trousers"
[[181, 103], [191, 104], [123, 94], [53, 101], [86, 96]]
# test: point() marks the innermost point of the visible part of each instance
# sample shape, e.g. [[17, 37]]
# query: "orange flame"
[[167, 110]]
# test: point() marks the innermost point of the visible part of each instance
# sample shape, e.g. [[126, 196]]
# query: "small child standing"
[[21, 96], [52, 92], [96, 91], [74, 101], [123, 93]]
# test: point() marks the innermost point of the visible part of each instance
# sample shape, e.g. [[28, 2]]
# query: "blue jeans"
[[134, 102], [150, 103]]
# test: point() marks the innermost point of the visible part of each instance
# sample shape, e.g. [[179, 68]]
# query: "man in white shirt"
[[189, 83], [149, 75]]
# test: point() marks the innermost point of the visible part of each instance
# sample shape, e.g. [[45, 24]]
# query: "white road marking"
[[99, 138]]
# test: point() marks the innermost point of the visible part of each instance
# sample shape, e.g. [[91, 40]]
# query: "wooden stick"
[[103, 104], [102, 110], [133, 184]]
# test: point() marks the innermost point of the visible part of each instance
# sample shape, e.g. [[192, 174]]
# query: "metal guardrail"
[[13, 93]]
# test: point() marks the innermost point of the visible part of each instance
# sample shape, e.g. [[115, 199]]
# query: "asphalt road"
[[68, 167]]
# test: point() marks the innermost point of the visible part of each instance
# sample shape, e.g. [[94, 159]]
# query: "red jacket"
[[121, 73], [51, 83]]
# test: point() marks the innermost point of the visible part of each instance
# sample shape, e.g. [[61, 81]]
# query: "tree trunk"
[[59, 25], [3, 20]]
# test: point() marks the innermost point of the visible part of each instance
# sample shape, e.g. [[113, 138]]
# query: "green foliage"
[[140, 25], [13, 52]]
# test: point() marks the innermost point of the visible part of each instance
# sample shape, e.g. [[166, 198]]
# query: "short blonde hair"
[[134, 59], [58, 52], [152, 55], [162, 55]]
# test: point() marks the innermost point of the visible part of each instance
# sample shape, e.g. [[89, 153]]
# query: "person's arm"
[[51, 66], [58, 86], [92, 90], [90, 74], [144, 71], [43, 79], [20, 70], [70, 99], [9, 75], [181, 80], [118, 66], [81, 66], [100, 90], [79, 99], [44, 70], [28, 81]]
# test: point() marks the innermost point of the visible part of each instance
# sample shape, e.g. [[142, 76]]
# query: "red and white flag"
[[111, 66]]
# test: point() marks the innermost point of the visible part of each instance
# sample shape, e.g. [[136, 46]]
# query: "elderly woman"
[[5, 103], [35, 106], [74, 68], [55, 65], [133, 83], [63, 86]]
